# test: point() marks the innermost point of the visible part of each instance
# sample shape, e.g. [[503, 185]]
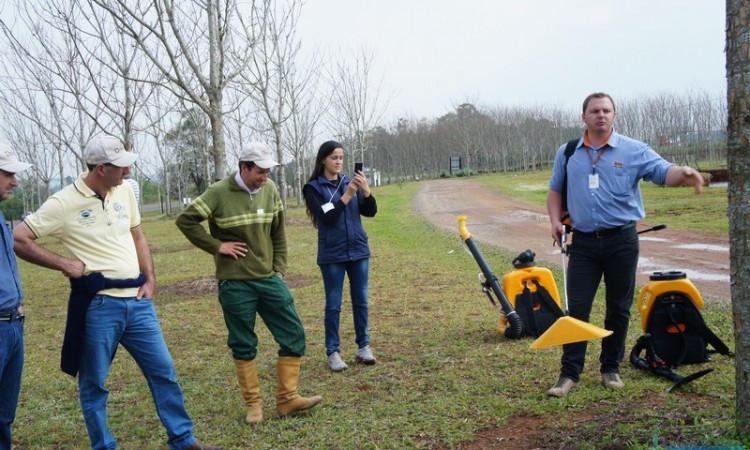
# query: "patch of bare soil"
[[566, 430], [206, 286], [494, 219]]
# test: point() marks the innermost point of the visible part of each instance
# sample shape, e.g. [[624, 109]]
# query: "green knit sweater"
[[235, 216]]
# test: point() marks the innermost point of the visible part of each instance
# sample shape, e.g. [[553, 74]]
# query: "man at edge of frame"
[[604, 202]]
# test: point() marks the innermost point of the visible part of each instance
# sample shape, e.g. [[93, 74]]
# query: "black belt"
[[604, 232], [11, 316]]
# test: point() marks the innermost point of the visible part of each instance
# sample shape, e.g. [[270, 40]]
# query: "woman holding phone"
[[335, 203]]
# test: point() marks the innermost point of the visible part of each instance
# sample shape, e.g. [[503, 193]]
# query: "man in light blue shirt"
[[11, 304], [604, 202]]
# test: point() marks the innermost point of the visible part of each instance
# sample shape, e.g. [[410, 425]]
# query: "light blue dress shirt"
[[623, 163], [10, 283]]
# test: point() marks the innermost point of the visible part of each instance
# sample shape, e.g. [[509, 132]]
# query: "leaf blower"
[[490, 285]]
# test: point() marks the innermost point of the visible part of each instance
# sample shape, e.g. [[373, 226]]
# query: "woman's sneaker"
[[336, 363], [364, 356]]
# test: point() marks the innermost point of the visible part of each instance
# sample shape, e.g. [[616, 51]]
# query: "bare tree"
[[738, 160], [28, 140], [45, 78], [114, 64], [81, 65], [306, 111], [271, 65], [356, 105], [158, 112], [199, 47]]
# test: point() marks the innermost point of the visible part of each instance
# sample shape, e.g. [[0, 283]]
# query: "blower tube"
[[515, 324]]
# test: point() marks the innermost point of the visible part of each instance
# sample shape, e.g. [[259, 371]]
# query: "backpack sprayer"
[[675, 332], [540, 314]]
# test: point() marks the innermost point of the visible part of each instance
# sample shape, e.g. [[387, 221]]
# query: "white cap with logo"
[[108, 150], [9, 160], [260, 154]]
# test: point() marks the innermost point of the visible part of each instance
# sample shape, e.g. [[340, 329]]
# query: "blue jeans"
[[333, 280], [11, 365], [111, 321], [616, 258]]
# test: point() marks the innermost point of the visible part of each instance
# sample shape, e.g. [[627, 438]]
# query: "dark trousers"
[[614, 257]]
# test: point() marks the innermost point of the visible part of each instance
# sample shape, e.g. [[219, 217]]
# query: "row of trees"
[[502, 139], [186, 83], [183, 83]]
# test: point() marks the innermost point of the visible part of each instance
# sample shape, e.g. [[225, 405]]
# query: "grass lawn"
[[444, 375], [675, 207]]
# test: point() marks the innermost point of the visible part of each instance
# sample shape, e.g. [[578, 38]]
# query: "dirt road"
[[494, 219]]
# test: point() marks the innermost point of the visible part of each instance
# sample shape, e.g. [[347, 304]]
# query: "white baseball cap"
[[260, 154], [108, 150], [9, 160]]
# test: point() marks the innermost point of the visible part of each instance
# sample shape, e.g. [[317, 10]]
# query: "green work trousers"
[[271, 299]]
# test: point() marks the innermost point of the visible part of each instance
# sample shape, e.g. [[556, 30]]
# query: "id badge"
[[327, 207], [594, 181]]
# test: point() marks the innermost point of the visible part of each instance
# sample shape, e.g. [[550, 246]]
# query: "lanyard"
[[334, 191], [594, 162]]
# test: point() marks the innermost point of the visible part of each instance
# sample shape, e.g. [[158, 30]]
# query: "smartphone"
[[358, 167]]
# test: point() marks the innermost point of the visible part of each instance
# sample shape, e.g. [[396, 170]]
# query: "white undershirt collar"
[[244, 187]]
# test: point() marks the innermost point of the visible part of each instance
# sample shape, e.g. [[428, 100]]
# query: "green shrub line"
[[444, 379]]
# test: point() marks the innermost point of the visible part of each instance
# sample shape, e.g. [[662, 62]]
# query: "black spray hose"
[[657, 366], [515, 324]]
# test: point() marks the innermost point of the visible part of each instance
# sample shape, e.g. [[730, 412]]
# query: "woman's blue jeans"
[[11, 366], [333, 280], [133, 323]]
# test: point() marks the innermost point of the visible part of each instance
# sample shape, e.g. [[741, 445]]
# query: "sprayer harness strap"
[[547, 299], [570, 148], [698, 324], [526, 307]]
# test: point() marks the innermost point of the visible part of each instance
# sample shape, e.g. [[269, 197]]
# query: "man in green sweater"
[[247, 239]]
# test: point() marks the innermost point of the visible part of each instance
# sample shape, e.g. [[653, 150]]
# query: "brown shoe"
[[562, 387], [198, 445]]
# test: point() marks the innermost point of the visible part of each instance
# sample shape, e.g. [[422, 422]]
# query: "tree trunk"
[[218, 152], [168, 189], [281, 170], [738, 162]]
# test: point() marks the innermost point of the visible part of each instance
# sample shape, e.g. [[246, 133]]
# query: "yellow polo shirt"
[[95, 231]]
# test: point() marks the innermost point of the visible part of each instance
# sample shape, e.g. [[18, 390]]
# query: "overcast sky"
[[435, 54]]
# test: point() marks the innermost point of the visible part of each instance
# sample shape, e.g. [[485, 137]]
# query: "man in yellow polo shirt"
[[97, 220]]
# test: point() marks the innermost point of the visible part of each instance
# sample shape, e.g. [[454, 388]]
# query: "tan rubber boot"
[[288, 401], [247, 376]]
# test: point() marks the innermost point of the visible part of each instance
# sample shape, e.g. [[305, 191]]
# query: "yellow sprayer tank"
[[515, 282], [664, 283]]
